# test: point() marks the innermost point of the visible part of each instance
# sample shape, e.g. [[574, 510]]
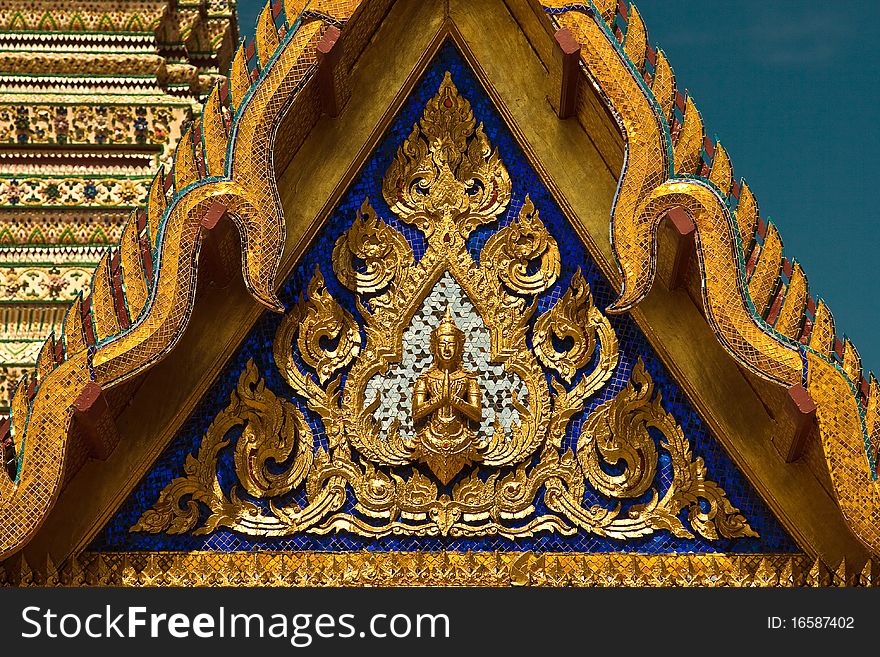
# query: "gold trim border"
[[473, 569]]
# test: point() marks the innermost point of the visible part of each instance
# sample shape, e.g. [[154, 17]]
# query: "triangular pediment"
[[294, 431], [584, 441]]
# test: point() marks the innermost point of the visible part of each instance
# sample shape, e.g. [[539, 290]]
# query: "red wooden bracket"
[[685, 232], [330, 80], [95, 422], [570, 54], [803, 412]]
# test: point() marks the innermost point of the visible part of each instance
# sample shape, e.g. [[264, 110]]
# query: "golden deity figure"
[[447, 406]]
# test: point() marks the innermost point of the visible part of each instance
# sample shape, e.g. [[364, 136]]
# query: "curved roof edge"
[[143, 291]]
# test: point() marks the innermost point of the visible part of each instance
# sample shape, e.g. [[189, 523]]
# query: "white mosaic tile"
[[497, 385]]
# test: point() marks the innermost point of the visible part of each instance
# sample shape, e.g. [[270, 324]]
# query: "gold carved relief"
[[447, 462]]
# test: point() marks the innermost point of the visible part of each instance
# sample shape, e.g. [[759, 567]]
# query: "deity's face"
[[448, 349]]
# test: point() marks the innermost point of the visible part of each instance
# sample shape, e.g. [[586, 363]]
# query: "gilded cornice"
[[44, 63], [223, 164], [357, 569]]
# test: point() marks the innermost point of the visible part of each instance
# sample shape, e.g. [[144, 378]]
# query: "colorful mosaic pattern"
[[772, 538], [617, 57]]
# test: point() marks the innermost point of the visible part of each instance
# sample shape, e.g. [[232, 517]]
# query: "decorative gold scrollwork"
[[446, 177], [273, 430], [575, 318], [323, 321], [450, 471], [512, 249], [618, 431], [382, 251]]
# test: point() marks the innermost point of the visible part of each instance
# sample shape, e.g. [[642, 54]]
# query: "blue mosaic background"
[[257, 346]]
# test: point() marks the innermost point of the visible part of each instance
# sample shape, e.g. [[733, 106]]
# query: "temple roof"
[[93, 97], [621, 93]]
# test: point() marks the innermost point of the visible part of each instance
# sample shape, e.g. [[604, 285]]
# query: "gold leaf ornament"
[[574, 318], [513, 249], [273, 429], [324, 322], [381, 253], [618, 431], [446, 178]]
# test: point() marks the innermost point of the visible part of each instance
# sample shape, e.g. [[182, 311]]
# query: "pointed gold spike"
[[267, 35], [721, 174], [239, 80], [103, 306], [818, 575], [822, 337], [101, 575], [18, 411], [791, 315], [214, 135], [746, 216], [852, 362], [690, 141], [841, 577], [133, 275], [22, 575], [184, 167], [156, 205], [73, 336], [766, 575], [636, 44], [46, 359], [663, 86], [872, 416], [763, 279], [49, 574]]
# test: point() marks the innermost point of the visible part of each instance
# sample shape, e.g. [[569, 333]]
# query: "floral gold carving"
[[383, 250], [575, 318], [321, 319], [273, 429], [511, 249], [450, 477]]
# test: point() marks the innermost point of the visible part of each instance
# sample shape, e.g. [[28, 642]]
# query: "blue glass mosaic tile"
[[257, 346]]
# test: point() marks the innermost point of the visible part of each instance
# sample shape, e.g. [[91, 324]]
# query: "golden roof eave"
[[171, 388]]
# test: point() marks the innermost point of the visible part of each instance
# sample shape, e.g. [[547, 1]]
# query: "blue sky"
[[789, 87]]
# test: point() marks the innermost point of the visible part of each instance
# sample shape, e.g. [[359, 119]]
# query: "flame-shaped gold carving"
[[512, 249], [446, 177], [618, 431], [273, 429], [575, 318], [452, 477], [382, 251], [323, 321]]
